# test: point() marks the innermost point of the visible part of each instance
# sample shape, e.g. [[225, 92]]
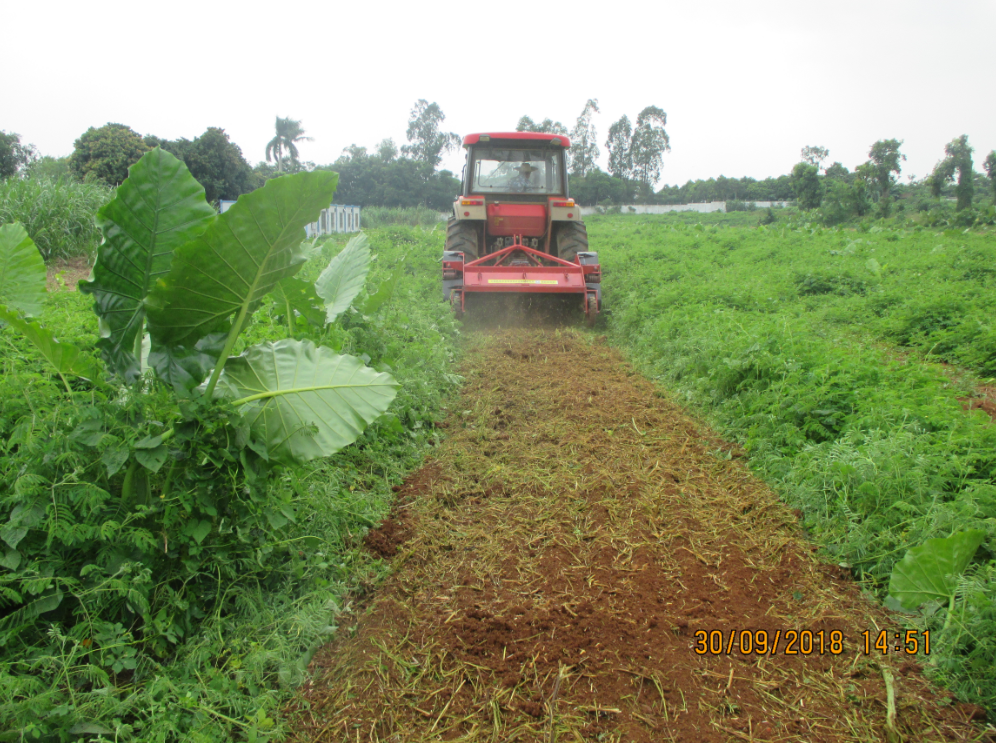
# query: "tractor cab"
[[515, 213], [518, 168]]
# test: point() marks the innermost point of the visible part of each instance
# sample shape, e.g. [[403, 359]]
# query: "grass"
[[228, 680], [58, 214], [382, 216], [808, 346], [689, 218]]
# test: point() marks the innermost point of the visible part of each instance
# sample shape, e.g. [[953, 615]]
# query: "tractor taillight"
[[568, 204], [471, 202]]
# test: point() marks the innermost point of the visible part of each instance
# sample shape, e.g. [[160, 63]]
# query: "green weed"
[[383, 216]]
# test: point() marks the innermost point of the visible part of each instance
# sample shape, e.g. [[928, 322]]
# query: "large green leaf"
[[238, 260], [22, 271], [930, 572], [158, 208], [63, 357], [306, 401], [294, 294], [343, 278]]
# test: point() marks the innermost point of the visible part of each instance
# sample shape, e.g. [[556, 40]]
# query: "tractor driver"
[[522, 181]]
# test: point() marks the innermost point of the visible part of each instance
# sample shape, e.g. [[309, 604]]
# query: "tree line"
[[388, 177], [872, 188], [409, 176], [104, 154]]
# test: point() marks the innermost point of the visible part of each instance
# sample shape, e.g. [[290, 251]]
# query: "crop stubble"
[[554, 561]]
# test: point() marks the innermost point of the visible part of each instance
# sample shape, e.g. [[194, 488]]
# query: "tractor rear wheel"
[[572, 238], [462, 237]]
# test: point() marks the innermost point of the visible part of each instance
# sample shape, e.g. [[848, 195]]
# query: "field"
[[830, 355], [555, 562], [764, 422]]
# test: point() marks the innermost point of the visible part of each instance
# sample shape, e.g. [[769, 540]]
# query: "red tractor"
[[514, 227]]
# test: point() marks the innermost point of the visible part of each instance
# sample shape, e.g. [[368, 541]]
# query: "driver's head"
[[526, 169]]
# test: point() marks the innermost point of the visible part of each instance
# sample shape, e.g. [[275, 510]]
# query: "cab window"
[[528, 171]]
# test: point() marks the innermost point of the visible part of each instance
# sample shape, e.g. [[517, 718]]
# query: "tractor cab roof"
[[536, 137]]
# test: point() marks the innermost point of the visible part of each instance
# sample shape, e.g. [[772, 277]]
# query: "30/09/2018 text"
[[808, 642]]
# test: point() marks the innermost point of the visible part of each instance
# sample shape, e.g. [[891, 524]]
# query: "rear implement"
[[521, 269]]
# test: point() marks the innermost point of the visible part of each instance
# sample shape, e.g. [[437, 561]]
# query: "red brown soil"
[[553, 565], [396, 529], [66, 274], [984, 400]]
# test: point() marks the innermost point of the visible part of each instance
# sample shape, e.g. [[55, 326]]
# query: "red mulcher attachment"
[[519, 269]]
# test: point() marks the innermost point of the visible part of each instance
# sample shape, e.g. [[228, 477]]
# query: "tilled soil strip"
[[557, 561]]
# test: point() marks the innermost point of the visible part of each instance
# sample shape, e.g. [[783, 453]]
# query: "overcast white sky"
[[745, 84]]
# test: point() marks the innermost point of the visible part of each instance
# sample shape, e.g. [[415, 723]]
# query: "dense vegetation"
[[104, 155], [215, 161], [808, 345], [385, 180], [380, 216], [171, 559], [58, 213]]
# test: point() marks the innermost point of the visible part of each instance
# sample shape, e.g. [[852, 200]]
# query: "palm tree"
[[288, 132]]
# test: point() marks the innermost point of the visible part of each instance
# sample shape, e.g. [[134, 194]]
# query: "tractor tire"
[[462, 237], [572, 238]]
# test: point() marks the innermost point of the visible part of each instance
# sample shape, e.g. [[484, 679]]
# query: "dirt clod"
[[385, 539]]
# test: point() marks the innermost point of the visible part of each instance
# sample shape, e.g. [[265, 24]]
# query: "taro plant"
[[169, 264], [22, 271], [194, 279]]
